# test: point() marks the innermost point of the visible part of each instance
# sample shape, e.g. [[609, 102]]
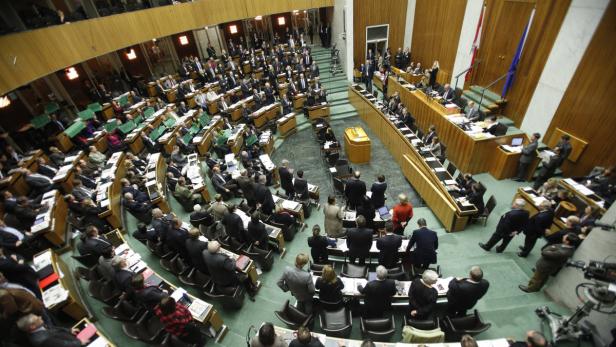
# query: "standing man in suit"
[[355, 190], [123, 275], [299, 282], [548, 169], [509, 225], [367, 74], [565, 147], [194, 250], [389, 247], [426, 244], [300, 186], [552, 259], [464, 293], [402, 214], [378, 294], [359, 241], [378, 192], [537, 227], [263, 196], [529, 153]]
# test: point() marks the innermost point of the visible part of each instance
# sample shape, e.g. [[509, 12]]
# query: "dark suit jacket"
[[476, 198], [359, 241], [318, 248], [389, 246], [234, 226], [355, 190], [539, 222], [38, 183], [553, 258], [498, 129], [147, 297], [194, 250], [218, 184], [257, 232], [122, 279], [7, 240], [422, 299], [54, 337], [378, 194], [286, 179], [377, 297], [95, 246], [47, 171], [514, 220], [222, 268], [464, 294], [21, 274], [529, 152], [426, 243], [176, 240], [301, 188], [264, 196], [331, 292]]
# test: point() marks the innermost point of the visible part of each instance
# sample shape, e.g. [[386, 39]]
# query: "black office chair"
[[293, 317], [317, 269], [375, 94], [471, 324], [171, 341], [175, 265], [148, 329], [123, 311], [487, 210], [104, 291], [230, 297], [195, 278], [338, 186], [378, 329], [336, 323], [262, 257], [354, 271], [428, 324]]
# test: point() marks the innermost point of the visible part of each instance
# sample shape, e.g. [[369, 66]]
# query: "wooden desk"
[[109, 195], [134, 140], [357, 145], [505, 163], [431, 185], [69, 300], [293, 207], [318, 111], [298, 101], [377, 80], [156, 175], [52, 222], [98, 339], [236, 140], [107, 111], [64, 176], [203, 140], [266, 113], [63, 142], [469, 154], [287, 125]]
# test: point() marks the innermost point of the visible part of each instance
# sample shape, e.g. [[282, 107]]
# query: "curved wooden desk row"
[[109, 193], [426, 174], [156, 181], [469, 154], [202, 312], [15, 182], [289, 335]]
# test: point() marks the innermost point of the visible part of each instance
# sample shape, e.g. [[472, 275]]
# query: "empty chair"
[[354, 271], [88, 273], [264, 258], [147, 329], [338, 186], [397, 274], [336, 323], [195, 278], [175, 265], [471, 324], [293, 317], [123, 311], [489, 207], [375, 94], [230, 297], [332, 158], [427, 324], [378, 329], [317, 269], [159, 249], [104, 291]]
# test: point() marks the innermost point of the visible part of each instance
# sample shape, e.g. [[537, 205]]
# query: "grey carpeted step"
[[496, 98]]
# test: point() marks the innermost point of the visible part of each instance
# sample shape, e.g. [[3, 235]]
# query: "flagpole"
[[475, 46]]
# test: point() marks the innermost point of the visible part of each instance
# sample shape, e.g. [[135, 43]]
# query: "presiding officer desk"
[[289, 335], [203, 313], [425, 173], [471, 153]]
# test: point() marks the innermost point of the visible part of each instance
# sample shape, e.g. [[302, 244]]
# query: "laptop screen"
[[516, 141]]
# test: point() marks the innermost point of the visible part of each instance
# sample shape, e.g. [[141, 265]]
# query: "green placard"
[[194, 129], [251, 140], [123, 100], [127, 127], [86, 114], [148, 112], [75, 128], [40, 121], [111, 125], [156, 133], [51, 107], [187, 138], [96, 107], [139, 119], [222, 139], [169, 122]]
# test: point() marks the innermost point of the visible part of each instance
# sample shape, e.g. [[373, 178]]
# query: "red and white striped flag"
[[475, 46]]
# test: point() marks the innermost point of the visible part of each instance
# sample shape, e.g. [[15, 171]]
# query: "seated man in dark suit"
[[300, 185], [359, 241], [234, 226], [257, 233], [475, 197], [389, 247], [222, 186], [26, 211], [425, 242], [224, 271], [144, 296], [136, 207], [464, 293], [176, 238], [93, 243], [378, 294], [123, 275], [40, 335], [448, 94], [509, 225], [200, 217], [194, 250]]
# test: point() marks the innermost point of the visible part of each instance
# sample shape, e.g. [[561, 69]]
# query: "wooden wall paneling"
[[436, 32], [76, 88], [369, 12], [498, 46], [189, 49], [33, 54], [587, 108]]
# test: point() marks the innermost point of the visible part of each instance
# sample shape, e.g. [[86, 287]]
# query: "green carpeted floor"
[[510, 311]]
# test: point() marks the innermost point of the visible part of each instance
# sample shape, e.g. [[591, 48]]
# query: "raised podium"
[[357, 145]]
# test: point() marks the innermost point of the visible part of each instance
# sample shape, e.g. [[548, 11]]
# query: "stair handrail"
[[483, 92], [465, 70]]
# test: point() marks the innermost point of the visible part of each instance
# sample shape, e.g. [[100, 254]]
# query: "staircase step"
[[476, 97]]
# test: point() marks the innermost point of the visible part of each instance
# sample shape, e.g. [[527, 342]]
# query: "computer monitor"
[[516, 141]]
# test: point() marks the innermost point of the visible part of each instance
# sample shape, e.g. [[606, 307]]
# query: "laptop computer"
[[516, 141]]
